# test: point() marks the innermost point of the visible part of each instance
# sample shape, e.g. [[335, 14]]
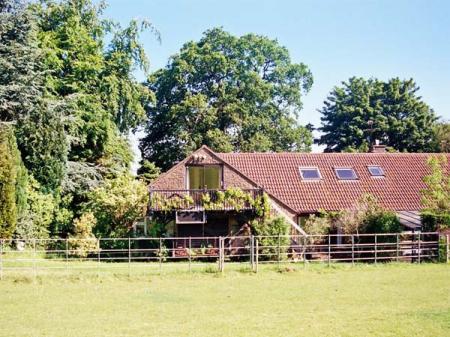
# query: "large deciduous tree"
[[95, 78], [230, 93], [399, 117]]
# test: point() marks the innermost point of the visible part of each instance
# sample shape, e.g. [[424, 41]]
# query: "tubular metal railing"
[[38, 255]]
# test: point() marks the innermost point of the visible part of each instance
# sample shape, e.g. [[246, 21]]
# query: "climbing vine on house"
[[233, 198]]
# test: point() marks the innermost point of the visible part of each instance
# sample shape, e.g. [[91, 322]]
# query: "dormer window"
[[201, 177], [375, 171], [310, 173], [346, 173]]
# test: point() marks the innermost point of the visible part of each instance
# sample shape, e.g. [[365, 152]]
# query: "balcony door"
[[204, 177]]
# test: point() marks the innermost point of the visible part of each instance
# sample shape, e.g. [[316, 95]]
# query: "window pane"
[[201, 177], [196, 181], [346, 174], [212, 177], [376, 171], [310, 173]]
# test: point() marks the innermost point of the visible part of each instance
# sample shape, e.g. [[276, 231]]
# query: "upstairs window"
[[204, 177], [346, 173], [375, 171], [310, 173]]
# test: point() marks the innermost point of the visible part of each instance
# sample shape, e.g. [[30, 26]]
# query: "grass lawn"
[[365, 300]]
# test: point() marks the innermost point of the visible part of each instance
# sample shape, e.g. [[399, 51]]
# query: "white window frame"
[[376, 176], [336, 169], [310, 168]]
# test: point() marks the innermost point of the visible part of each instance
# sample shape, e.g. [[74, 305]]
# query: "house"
[[297, 185]]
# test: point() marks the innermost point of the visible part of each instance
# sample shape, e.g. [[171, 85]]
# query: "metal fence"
[[40, 255]]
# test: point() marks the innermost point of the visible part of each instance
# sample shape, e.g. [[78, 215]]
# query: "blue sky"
[[336, 39]]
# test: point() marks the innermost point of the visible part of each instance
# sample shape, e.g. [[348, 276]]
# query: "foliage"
[[168, 204], [317, 225], [365, 217], [382, 222], [23, 98], [104, 98], [400, 118], [230, 93], [43, 144], [35, 221], [436, 195], [148, 171], [232, 197], [8, 181], [117, 203], [19, 61], [67, 83], [442, 136], [82, 242], [273, 235]]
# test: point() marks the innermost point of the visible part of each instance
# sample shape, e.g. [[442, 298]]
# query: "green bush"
[[432, 222], [273, 232], [382, 222], [82, 242]]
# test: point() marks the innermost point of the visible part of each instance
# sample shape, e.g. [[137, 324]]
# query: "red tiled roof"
[[279, 174]]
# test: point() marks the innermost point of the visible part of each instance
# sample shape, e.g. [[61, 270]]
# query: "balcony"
[[235, 199]]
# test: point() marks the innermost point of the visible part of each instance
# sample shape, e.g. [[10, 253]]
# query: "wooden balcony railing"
[[198, 200]]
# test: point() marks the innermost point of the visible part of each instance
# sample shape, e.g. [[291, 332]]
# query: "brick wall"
[[175, 178]]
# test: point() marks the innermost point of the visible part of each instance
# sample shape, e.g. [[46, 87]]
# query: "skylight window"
[[376, 171], [346, 174], [310, 173]]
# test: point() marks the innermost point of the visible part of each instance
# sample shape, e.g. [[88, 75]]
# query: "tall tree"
[[399, 117], [442, 134], [231, 93], [95, 78], [11, 182], [23, 98], [90, 63]]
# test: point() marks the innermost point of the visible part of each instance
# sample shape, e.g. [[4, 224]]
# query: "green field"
[[365, 300]]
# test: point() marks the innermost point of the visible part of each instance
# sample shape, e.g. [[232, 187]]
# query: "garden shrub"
[[436, 195], [273, 232], [382, 221], [82, 242]]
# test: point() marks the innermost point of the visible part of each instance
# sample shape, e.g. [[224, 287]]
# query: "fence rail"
[[38, 255]]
